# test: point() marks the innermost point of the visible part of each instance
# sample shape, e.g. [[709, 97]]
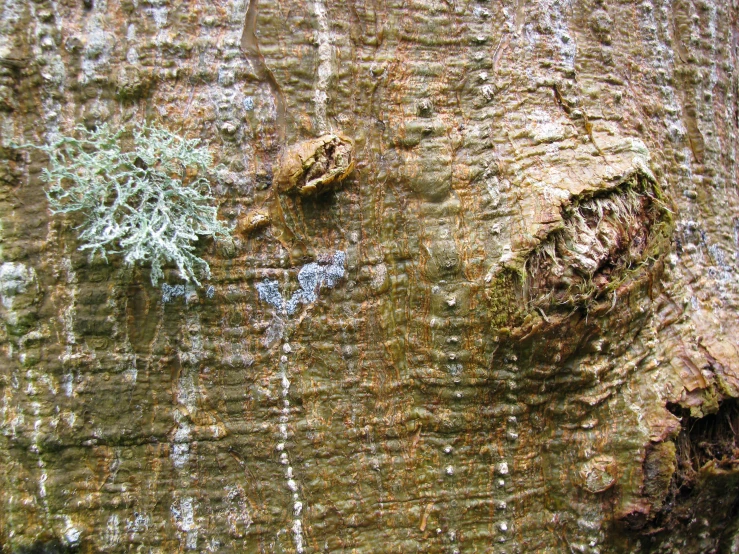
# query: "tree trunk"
[[506, 322]]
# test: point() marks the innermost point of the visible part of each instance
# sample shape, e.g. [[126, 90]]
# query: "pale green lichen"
[[149, 202]]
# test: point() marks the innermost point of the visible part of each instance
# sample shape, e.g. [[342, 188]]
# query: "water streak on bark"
[[250, 47]]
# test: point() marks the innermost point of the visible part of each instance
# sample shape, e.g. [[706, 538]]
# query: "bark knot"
[[316, 165], [603, 238]]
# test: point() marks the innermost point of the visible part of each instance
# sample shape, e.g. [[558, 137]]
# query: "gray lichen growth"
[[312, 278], [269, 292], [170, 292], [149, 203], [15, 278]]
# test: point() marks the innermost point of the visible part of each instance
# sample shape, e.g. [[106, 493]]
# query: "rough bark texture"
[[525, 337]]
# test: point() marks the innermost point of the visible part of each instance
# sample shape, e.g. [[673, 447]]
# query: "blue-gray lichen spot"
[[269, 291], [312, 278], [170, 292]]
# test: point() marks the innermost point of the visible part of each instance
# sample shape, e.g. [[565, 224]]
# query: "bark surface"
[[499, 316]]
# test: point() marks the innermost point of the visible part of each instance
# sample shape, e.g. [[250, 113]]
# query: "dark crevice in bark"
[[710, 438], [706, 449]]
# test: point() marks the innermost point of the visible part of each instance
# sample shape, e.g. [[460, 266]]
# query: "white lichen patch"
[[237, 512], [545, 129], [379, 277], [183, 513], [112, 533], [187, 394], [298, 536], [551, 25], [139, 523], [312, 278], [325, 66], [97, 51], [130, 375], [15, 279], [71, 533], [284, 457]]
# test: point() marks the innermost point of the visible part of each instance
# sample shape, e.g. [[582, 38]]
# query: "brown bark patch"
[[314, 166]]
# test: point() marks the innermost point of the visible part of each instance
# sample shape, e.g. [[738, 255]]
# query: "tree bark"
[[497, 314]]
